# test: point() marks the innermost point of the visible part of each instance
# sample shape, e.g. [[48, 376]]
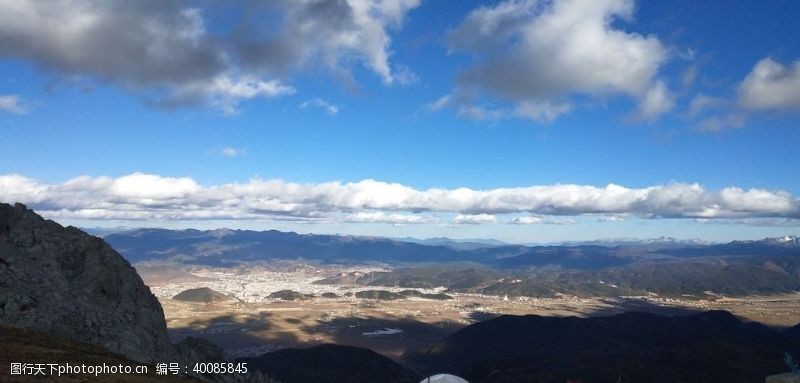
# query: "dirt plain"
[[251, 323]]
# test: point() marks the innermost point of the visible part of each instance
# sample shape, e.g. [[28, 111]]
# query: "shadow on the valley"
[[256, 331], [403, 338], [622, 305], [391, 336], [480, 316]]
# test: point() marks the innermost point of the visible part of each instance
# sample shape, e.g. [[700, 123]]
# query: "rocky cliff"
[[64, 282]]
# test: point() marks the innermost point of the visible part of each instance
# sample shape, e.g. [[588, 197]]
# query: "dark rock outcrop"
[[62, 281], [381, 295], [384, 295], [202, 295], [290, 295]]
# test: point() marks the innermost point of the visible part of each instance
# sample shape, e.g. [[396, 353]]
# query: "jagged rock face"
[[65, 282]]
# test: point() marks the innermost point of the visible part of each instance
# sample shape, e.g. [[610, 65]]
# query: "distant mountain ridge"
[[662, 241], [225, 246], [664, 266], [456, 244]]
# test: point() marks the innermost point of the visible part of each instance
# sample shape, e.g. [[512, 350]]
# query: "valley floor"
[[250, 323]]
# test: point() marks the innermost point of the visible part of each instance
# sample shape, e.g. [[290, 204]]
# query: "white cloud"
[[329, 108], [536, 220], [771, 86], [539, 111], [702, 102], [475, 112], [765, 222], [232, 152], [718, 123], [544, 111], [147, 196], [612, 218], [655, 102], [225, 93], [381, 217], [12, 104], [561, 222], [540, 53], [526, 220], [440, 103], [474, 219]]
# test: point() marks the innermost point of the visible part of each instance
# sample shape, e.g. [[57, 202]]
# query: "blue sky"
[[511, 100]]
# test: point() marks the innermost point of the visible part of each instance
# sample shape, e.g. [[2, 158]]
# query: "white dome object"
[[443, 378]]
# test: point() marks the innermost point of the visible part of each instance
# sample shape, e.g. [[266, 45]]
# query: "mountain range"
[[225, 246], [664, 266]]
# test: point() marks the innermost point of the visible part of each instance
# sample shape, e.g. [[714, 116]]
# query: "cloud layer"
[[145, 196]]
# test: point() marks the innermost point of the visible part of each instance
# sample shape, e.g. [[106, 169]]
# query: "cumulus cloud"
[[164, 48], [536, 54], [148, 196], [329, 32], [535, 220], [474, 219], [771, 86], [526, 220], [12, 104], [381, 217], [224, 92], [612, 218], [142, 42], [329, 108]]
